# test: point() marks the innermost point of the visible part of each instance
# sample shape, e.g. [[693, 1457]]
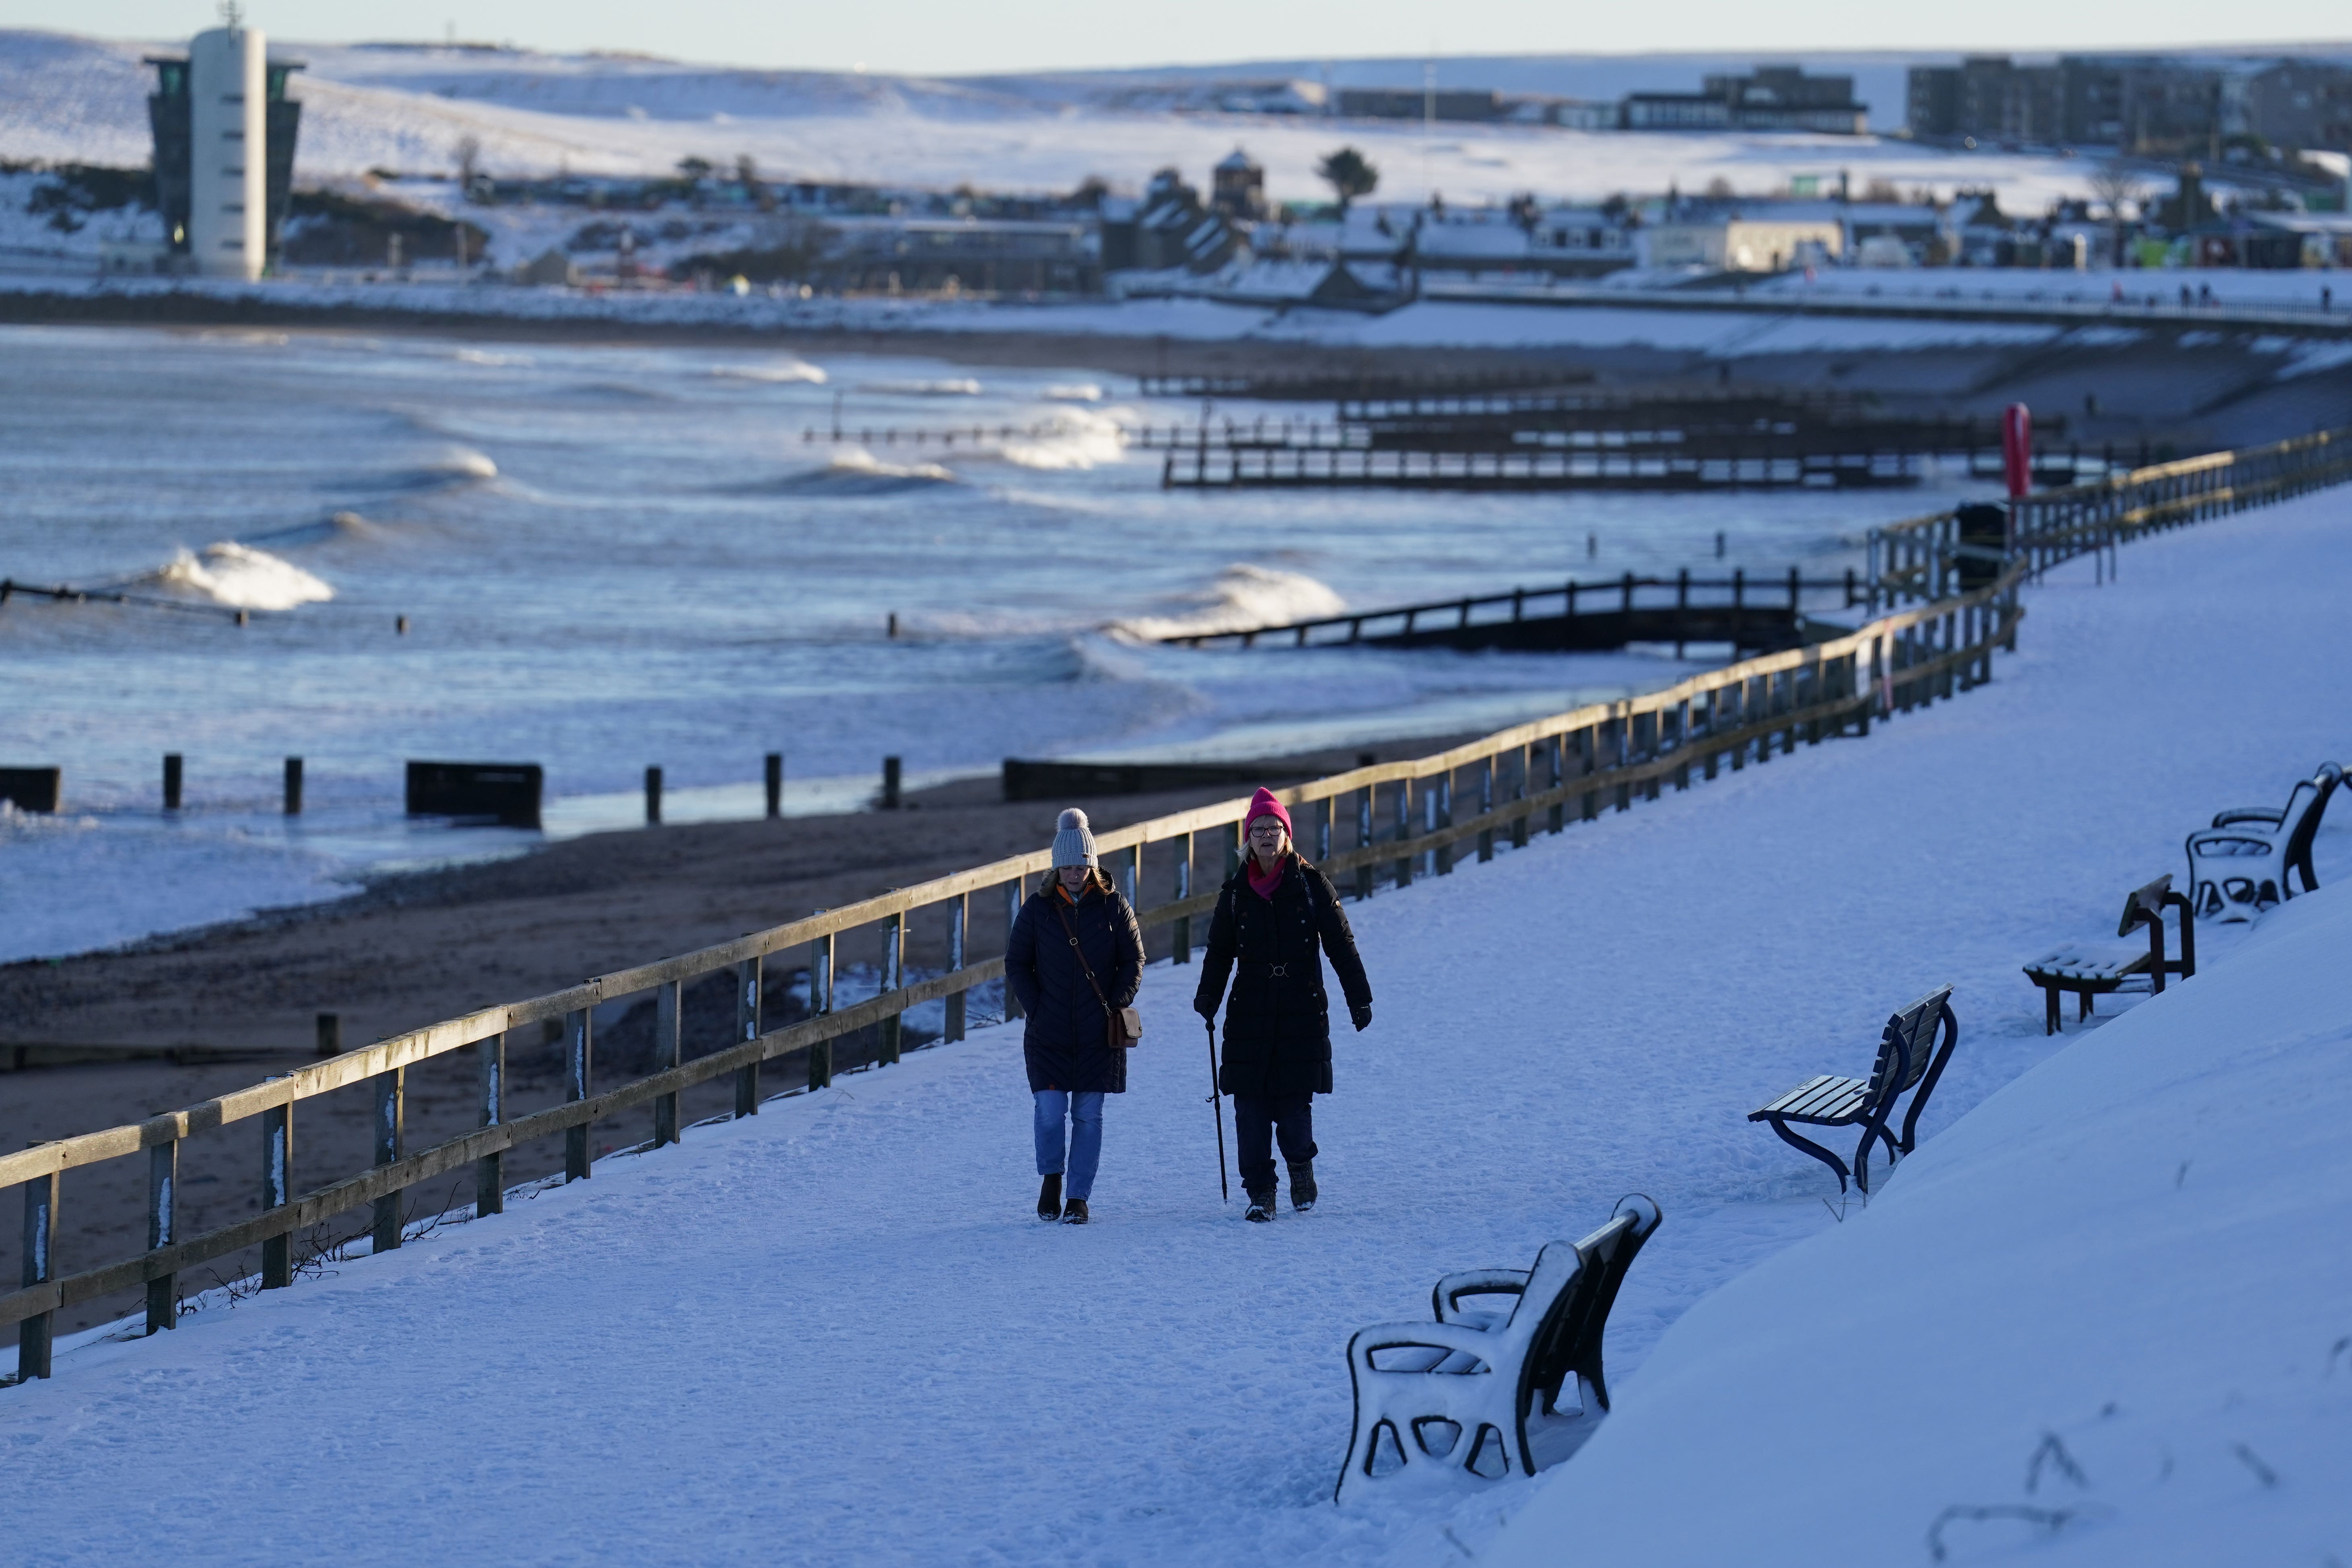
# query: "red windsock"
[[2017, 448]]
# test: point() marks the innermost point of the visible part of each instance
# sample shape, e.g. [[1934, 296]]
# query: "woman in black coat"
[[1277, 917], [1077, 923]]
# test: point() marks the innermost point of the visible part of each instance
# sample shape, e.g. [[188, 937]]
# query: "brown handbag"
[[1125, 1027]]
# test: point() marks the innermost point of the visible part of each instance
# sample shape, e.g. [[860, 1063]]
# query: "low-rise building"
[[1745, 237]]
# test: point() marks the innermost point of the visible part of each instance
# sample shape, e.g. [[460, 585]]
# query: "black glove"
[[1206, 1005], [1362, 1016]]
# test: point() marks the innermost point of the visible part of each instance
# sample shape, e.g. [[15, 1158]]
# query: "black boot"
[[1261, 1207], [1075, 1212], [1302, 1184], [1049, 1198]]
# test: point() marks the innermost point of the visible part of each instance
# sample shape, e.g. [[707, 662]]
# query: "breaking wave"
[[485, 357], [854, 471], [1083, 391], [239, 576], [1243, 597], [1086, 440], [788, 370]]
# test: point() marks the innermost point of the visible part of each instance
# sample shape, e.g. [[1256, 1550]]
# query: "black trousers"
[[1258, 1120]]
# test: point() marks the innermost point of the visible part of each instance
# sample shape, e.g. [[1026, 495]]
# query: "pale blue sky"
[[962, 36]]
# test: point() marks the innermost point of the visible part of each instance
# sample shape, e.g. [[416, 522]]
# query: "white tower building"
[[228, 152]]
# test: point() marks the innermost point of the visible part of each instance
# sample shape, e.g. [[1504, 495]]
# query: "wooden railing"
[[1394, 819], [1928, 558]]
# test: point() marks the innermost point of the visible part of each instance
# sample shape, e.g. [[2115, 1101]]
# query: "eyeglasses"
[[1269, 830]]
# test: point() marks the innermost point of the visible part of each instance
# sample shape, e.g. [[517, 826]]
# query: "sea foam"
[[241, 577]]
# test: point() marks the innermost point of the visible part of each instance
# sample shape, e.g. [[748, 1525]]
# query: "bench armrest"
[[2248, 814], [1475, 1344], [2207, 841], [1446, 1300]]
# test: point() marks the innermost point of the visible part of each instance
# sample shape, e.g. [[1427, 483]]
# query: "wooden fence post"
[[1184, 923], [40, 1266], [579, 1071], [958, 915], [1557, 819], [1230, 836], [1404, 832], [490, 1170], [1014, 898], [1522, 771], [1441, 805], [163, 1230], [391, 1096], [277, 1189], [747, 1028], [1366, 873], [1485, 804], [669, 1051], [894, 963]]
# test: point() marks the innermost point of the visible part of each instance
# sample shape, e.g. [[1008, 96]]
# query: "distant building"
[[1747, 236], [1411, 104], [1237, 188], [224, 132], [1775, 98], [1169, 227], [2303, 104], [2142, 103]]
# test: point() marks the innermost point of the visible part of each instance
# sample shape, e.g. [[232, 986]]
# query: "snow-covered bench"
[[1908, 1056], [2095, 968], [2239, 866], [1476, 1389]]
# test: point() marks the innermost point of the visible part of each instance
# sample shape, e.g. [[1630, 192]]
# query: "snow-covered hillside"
[[831, 1334], [65, 98]]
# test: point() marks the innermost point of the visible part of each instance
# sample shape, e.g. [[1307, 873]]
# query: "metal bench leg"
[[2085, 996], [1810, 1147], [2049, 1025]]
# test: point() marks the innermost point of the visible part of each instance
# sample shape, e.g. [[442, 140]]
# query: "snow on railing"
[[1930, 557], [1390, 822]]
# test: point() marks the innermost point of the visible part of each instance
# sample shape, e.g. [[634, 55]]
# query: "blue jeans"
[[1084, 1113]]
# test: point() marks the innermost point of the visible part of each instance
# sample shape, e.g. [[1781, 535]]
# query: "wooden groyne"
[[1387, 823], [1758, 613]]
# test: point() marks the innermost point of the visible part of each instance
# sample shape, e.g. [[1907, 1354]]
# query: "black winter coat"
[[1066, 1043], [1278, 1022]]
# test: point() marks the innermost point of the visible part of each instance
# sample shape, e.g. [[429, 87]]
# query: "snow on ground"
[[2108, 1306], [66, 98], [831, 1334]]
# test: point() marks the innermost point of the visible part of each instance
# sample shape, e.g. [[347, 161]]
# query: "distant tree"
[[691, 168], [2115, 187], [468, 153], [1090, 192], [1349, 174], [1719, 189], [1882, 190]]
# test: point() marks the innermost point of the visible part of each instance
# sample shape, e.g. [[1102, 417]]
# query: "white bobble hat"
[[1074, 842]]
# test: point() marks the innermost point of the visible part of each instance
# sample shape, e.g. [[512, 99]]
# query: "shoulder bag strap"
[[1080, 954]]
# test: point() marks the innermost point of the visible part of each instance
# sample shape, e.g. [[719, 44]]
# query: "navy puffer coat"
[[1278, 1021], [1067, 1042]]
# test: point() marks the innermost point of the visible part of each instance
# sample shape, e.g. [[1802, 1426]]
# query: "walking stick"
[[1224, 1191]]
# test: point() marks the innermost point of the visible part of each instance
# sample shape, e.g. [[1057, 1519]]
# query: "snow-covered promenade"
[[832, 1334]]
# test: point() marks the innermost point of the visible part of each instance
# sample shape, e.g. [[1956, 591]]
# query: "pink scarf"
[[1263, 883]]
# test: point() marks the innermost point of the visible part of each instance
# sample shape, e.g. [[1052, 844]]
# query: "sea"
[[610, 557]]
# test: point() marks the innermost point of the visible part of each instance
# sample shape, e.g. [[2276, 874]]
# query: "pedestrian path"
[[833, 1334]]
